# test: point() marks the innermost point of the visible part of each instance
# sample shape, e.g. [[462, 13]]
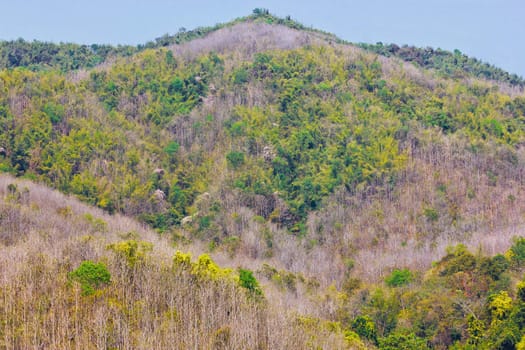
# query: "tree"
[[396, 341], [517, 251], [260, 12], [365, 328], [91, 276], [235, 159], [247, 280], [399, 278]]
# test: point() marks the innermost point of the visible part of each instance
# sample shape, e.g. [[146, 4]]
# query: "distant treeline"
[[449, 63], [37, 55]]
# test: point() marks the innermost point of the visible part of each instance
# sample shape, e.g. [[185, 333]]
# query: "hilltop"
[[344, 176], [38, 55]]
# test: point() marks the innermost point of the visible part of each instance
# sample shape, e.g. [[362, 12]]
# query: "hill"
[[38, 55], [326, 167], [445, 62], [73, 276]]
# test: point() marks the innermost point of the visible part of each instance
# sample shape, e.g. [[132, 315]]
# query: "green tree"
[[235, 159], [247, 280], [517, 251], [91, 276], [396, 341], [399, 278], [365, 328]]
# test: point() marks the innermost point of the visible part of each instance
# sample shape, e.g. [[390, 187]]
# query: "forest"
[[186, 192]]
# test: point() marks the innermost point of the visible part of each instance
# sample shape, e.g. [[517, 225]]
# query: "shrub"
[[235, 159], [172, 148], [182, 261], [399, 278], [248, 281], [205, 268], [500, 305], [353, 340], [261, 11], [431, 214], [132, 251], [404, 342], [521, 291], [475, 329], [12, 188], [222, 338], [54, 111], [458, 259], [365, 328], [240, 76], [502, 335], [98, 224], [517, 251], [91, 276], [494, 267]]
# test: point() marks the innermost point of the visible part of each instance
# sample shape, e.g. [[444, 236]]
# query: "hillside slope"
[[278, 135], [53, 254], [73, 276], [324, 166]]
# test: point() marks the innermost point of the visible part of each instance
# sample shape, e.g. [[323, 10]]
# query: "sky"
[[490, 30]]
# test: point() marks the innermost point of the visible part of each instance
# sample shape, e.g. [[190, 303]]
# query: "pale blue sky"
[[491, 30]]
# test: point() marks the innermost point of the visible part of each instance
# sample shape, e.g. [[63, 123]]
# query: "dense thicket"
[[37, 55]]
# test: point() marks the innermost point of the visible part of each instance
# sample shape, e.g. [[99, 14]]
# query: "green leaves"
[[235, 159], [55, 112], [319, 145], [517, 251], [247, 280], [204, 269], [365, 327], [172, 148], [133, 252], [396, 341], [399, 278], [446, 62], [91, 276], [305, 123]]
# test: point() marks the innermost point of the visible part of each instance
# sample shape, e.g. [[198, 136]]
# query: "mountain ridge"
[[73, 56]]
